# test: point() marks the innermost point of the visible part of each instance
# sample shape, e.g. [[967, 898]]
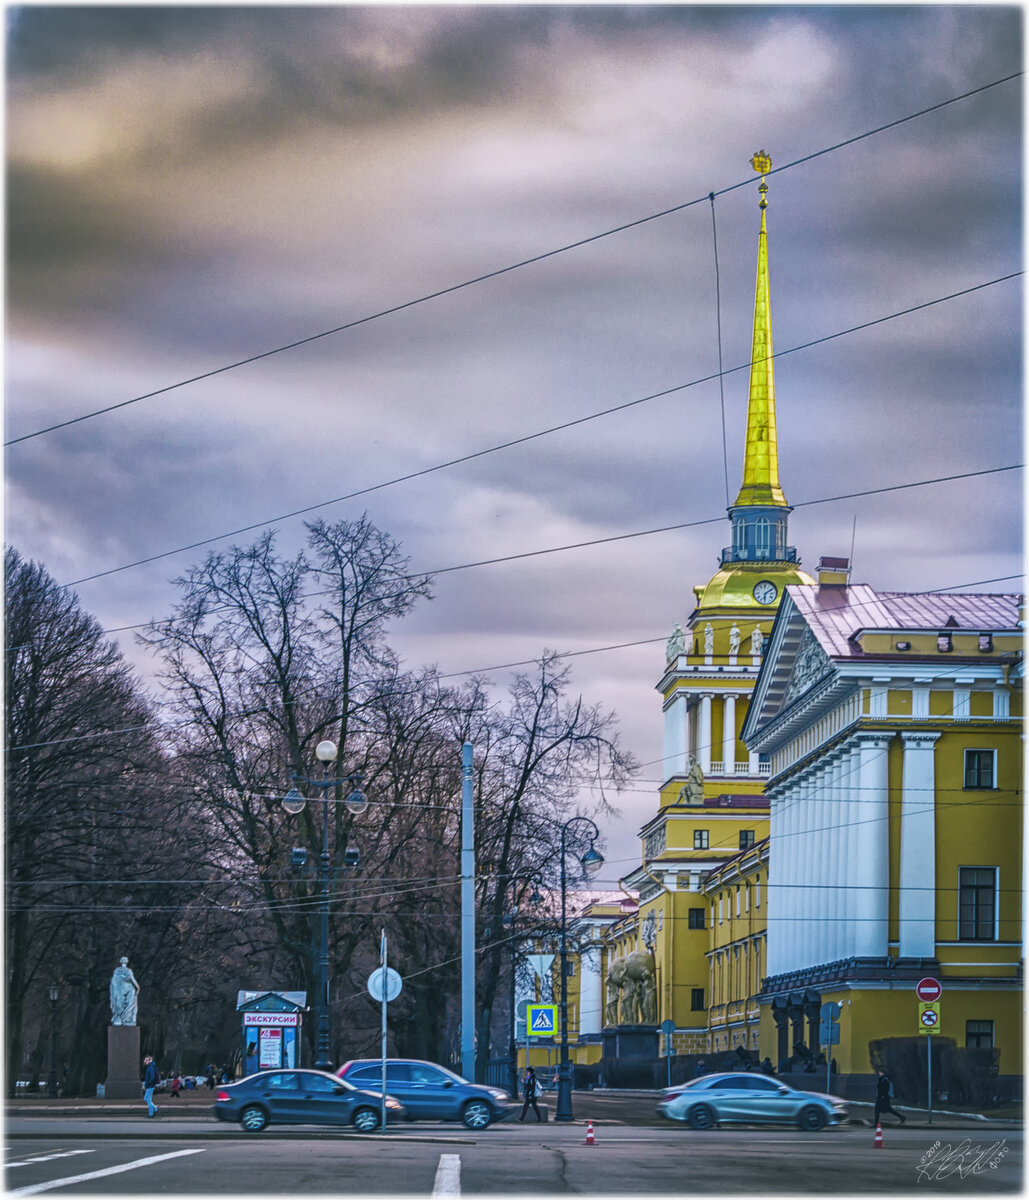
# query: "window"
[[569, 968], [696, 999], [746, 838], [696, 918], [310, 1082], [720, 917], [700, 839], [979, 768], [977, 901], [737, 900], [985, 643], [280, 1081], [978, 1033], [757, 891], [423, 1074], [944, 643]]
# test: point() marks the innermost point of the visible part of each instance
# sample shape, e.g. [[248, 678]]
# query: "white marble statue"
[[709, 639], [734, 640], [124, 995], [676, 643], [756, 641]]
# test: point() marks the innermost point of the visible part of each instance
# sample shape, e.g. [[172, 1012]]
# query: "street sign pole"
[[929, 1056], [929, 991]]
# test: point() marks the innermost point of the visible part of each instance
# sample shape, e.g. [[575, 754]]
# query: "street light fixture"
[[294, 802], [51, 1083], [591, 862]]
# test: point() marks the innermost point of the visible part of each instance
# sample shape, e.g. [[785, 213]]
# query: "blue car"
[[301, 1097], [430, 1092]]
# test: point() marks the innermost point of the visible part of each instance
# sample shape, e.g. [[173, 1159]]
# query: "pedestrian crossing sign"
[[542, 1020]]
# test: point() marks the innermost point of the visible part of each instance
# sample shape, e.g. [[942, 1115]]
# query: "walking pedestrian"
[[531, 1091], [151, 1078], [883, 1096], [176, 1085]]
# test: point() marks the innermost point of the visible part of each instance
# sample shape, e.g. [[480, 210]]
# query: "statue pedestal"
[[631, 1041], [123, 1065]]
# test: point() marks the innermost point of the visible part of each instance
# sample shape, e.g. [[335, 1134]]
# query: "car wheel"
[[701, 1117], [476, 1114], [811, 1119], [365, 1120], [253, 1118]]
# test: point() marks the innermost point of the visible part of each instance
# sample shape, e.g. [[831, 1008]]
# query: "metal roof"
[[835, 614]]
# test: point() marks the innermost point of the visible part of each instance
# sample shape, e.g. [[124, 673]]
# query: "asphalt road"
[[121, 1153]]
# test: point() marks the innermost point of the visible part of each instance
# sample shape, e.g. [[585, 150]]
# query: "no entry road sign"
[[929, 989]]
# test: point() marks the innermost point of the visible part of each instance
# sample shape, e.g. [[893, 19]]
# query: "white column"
[[591, 1004], [818, 892], [787, 891], [675, 747], [849, 763], [729, 734], [872, 857], [704, 734], [772, 898], [836, 862], [917, 910]]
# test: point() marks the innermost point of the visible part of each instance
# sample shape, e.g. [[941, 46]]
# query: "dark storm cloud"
[[191, 185]]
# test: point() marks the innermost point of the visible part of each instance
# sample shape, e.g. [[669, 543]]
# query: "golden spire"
[[761, 455]]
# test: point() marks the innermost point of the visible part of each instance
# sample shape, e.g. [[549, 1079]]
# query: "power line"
[[538, 434], [504, 270]]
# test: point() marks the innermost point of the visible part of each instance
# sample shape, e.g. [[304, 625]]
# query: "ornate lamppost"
[[591, 862], [294, 802], [51, 1083]]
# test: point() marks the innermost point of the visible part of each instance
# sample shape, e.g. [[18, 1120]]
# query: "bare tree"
[[89, 823]]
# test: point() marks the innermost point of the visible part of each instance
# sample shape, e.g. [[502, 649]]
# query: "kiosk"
[[272, 1023]]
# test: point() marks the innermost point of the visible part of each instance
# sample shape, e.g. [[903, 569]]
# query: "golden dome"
[[733, 586]]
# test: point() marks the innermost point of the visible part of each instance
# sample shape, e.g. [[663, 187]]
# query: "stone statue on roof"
[[756, 641], [734, 640]]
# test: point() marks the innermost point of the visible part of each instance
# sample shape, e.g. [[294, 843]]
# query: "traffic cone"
[[878, 1143], [590, 1139]]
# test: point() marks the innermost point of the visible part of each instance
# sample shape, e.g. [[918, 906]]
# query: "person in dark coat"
[[531, 1091], [151, 1078], [883, 1088]]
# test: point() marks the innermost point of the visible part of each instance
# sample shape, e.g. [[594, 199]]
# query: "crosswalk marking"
[[448, 1176], [130, 1166], [46, 1158]]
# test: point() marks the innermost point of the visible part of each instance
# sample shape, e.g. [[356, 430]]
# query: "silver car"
[[744, 1099]]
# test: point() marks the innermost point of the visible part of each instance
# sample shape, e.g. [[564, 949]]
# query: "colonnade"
[[829, 862], [688, 733]]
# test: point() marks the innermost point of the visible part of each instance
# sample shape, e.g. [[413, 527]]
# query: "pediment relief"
[[810, 663]]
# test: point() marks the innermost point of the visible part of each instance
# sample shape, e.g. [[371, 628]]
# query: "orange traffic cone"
[[590, 1139], [878, 1143]]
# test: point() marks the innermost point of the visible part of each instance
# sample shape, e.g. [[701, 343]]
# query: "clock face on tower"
[[765, 592]]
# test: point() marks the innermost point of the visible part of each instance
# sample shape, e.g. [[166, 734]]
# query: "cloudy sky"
[[192, 187]]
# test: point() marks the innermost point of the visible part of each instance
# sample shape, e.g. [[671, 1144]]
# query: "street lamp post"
[[51, 1083], [294, 802], [591, 862]]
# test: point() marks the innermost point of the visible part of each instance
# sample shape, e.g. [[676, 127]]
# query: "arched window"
[[763, 541]]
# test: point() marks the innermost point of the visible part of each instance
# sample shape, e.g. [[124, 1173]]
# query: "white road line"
[[46, 1158], [448, 1176], [130, 1166]]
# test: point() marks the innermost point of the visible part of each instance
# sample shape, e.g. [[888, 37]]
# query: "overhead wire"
[[494, 274], [534, 436]]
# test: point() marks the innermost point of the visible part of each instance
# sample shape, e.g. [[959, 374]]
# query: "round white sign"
[[391, 984]]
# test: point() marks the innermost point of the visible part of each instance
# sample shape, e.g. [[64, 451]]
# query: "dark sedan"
[[301, 1097]]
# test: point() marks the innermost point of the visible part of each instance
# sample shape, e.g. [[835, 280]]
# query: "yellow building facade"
[[840, 806], [892, 723]]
